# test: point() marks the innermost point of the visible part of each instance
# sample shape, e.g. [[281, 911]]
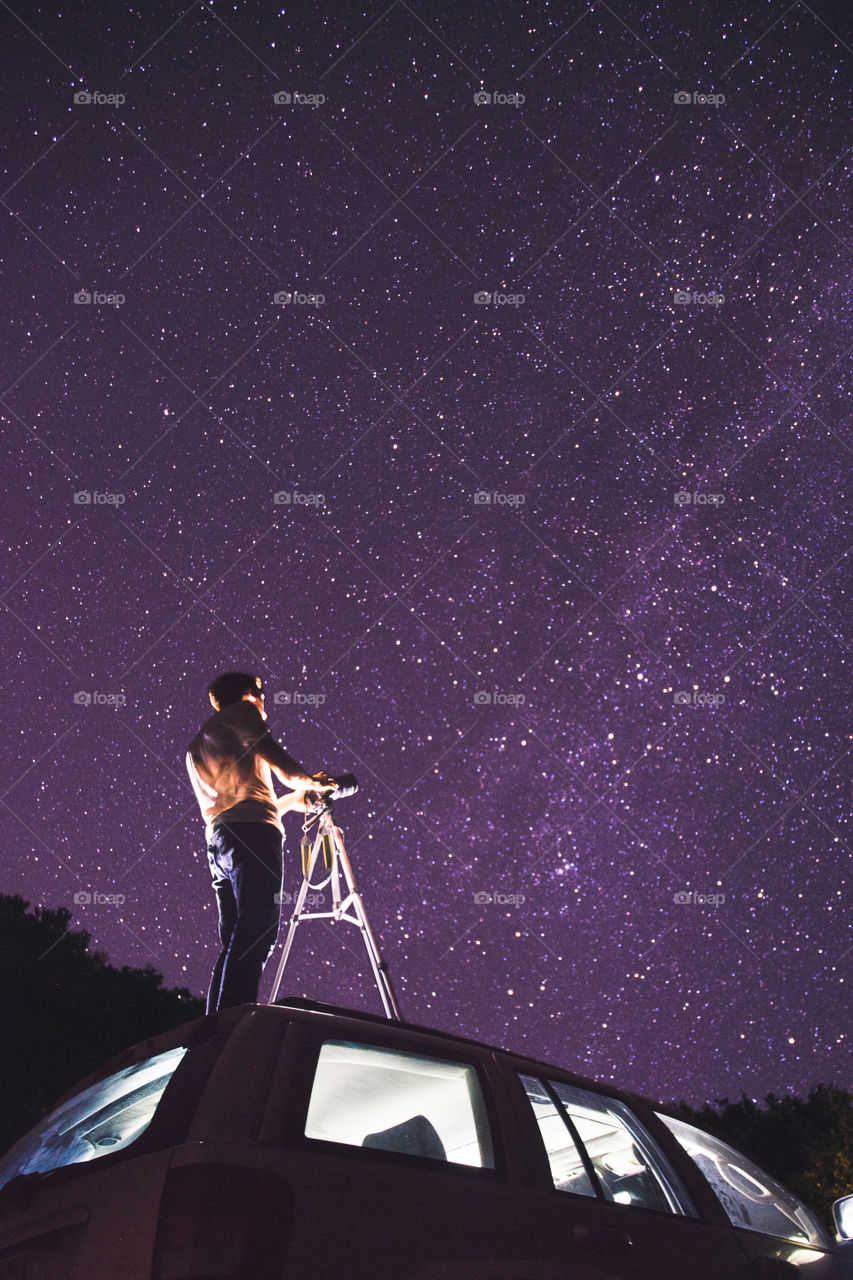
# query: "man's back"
[[229, 777]]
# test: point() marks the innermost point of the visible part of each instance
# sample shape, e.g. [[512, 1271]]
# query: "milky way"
[[480, 375]]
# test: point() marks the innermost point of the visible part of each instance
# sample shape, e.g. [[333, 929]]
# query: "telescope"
[[347, 786]]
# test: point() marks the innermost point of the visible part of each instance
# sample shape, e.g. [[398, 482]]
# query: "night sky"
[[563, 575]]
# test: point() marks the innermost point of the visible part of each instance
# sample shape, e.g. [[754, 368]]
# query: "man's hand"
[[323, 781], [304, 793]]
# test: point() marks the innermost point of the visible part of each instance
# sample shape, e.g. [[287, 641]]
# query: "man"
[[230, 762]]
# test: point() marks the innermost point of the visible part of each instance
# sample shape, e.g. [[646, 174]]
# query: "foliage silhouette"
[[65, 1010]]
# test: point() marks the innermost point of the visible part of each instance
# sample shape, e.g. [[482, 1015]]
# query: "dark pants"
[[245, 863]]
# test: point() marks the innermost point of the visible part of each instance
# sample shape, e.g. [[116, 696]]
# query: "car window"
[[623, 1159], [750, 1197], [102, 1119], [564, 1157], [392, 1100]]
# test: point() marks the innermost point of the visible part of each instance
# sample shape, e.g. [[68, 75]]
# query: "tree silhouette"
[[65, 1011]]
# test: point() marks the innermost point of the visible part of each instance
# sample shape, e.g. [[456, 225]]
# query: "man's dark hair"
[[230, 687]]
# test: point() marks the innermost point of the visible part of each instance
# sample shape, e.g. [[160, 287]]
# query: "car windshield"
[[750, 1197], [102, 1119]]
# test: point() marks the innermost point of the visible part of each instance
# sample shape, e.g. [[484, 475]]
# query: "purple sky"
[[621, 682]]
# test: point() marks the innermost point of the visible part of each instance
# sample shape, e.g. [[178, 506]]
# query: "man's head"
[[234, 686]]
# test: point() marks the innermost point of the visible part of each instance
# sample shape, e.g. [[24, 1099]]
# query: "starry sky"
[[508, 438]]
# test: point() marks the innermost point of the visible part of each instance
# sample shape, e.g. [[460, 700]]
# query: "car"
[[301, 1141]]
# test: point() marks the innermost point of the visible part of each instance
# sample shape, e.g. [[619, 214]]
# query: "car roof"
[[383, 1024], [199, 1029]]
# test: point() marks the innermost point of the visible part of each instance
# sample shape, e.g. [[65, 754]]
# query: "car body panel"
[[239, 1102], [72, 1229]]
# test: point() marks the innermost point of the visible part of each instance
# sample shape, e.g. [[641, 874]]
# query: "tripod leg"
[[295, 917], [336, 876], [380, 969]]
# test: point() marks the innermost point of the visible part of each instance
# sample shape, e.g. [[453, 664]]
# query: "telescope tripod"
[[347, 905]]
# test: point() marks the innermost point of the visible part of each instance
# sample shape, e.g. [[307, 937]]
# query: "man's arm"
[[293, 801], [287, 770]]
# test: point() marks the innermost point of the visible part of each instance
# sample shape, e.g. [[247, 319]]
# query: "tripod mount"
[[346, 901]]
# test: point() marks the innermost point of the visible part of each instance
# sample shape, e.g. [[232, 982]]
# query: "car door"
[[397, 1151], [390, 1149], [609, 1189]]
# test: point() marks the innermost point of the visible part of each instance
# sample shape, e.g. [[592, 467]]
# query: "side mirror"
[[842, 1212]]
